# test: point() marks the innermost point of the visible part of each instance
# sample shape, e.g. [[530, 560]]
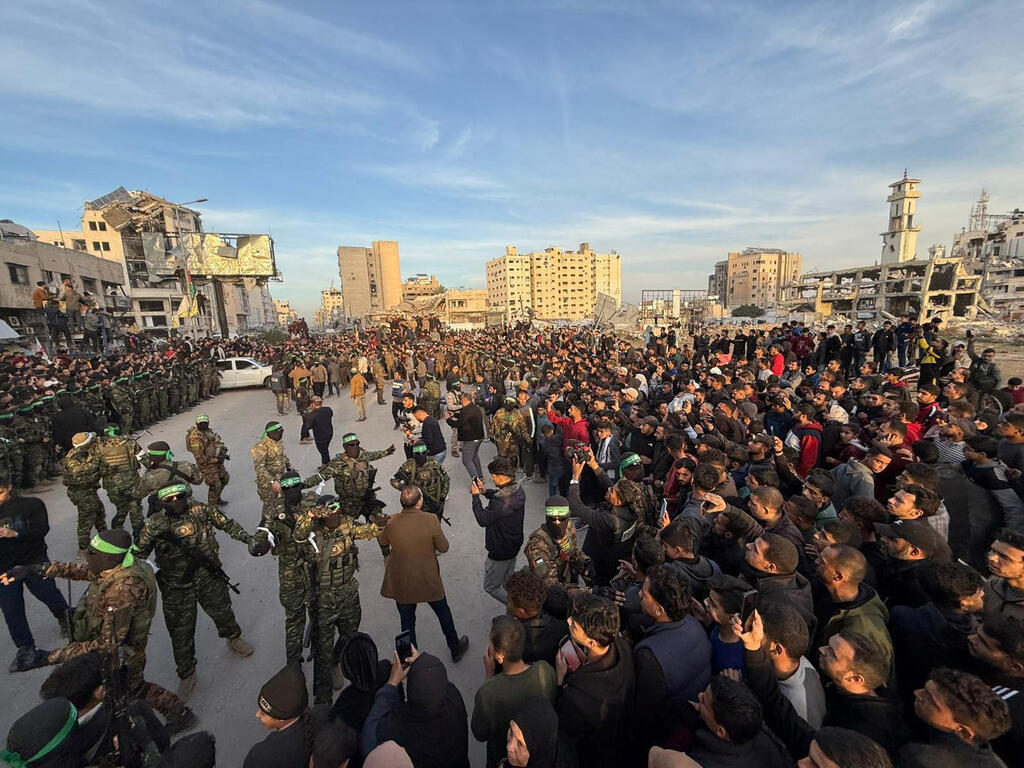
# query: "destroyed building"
[[923, 288], [901, 284], [992, 245]]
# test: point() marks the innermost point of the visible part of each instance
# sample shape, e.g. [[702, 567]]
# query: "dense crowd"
[[760, 548]]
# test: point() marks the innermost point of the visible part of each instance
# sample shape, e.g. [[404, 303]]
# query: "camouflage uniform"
[[553, 563], [120, 469], [140, 393], [163, 399], [640, 498], [353, 480], [174, 390], [430, 399], [431, 477], [82, 470], [209, 451], [167, 471], [117, 609], [292, 569], [337, 610], [203, 372], [183, 585], [380, 375], [191, 387], [122, 400], [270, 462], [10, 452], [94, 401], [34, 439], [508, 429]]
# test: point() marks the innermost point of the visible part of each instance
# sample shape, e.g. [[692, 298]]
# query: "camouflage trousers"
[[127, 417], [216, 477], [294, 595], [159, 698], [34, 461], [11, 463], [162, 403], [180, 612], [204, 387], [144, 414], [90, 511], [338, 615], [120, 490]]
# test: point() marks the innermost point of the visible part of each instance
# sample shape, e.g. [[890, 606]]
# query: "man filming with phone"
[[502, 521]]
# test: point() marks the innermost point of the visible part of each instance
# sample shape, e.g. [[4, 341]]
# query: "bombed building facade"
[[900, 283], [992, 246]]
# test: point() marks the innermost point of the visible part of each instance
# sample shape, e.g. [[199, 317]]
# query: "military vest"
[[87, 621], [338, 560], [117, 454]]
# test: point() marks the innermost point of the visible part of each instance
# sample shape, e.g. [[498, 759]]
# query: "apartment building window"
[[102, 226], [89, 284], [151, 305], [95, 245], [78, 245], [92, 225], [106, 246], [154, 321], [18, 273]]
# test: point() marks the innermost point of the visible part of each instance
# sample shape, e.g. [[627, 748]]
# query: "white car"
[[243, 372]]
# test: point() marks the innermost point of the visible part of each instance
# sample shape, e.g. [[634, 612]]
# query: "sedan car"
[[243, 372]]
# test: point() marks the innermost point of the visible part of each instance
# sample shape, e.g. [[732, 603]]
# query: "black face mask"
[[557, 527], [510, 406], [276, 434], [176, 507], [420, 459], [203, 426], [98, 562], [292, 496]]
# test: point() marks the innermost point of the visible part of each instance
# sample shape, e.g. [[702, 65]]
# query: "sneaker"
[[23, 659], [186, 687], [459, 649], [239, 647], [186, 721], [306, 440]]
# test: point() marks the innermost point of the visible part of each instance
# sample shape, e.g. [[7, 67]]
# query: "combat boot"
[[239, 647], [183, 722], [186, 687], [28, 657]]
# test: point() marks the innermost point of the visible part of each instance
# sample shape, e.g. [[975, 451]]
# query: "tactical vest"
[[87, 621], [192, 530], [117, 455], [338, 561]]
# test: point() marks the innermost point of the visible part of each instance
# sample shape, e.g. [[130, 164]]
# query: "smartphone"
[[749, 605], [663, 514], [477, 480], [403, 646], [567, 650]]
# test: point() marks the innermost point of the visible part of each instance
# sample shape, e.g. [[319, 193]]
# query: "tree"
[[748, 310]]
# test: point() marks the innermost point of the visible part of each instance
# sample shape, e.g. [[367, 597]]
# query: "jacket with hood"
[[762, 751], [792, 588], [852, 479], [947, 750], [865, 615], [595, 707], [548, 748], [431, 723], [1000, 597], [805, 438], [698, 573], [365, 674]]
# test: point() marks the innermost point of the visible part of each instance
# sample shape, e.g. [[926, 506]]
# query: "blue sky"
[[671, 132]]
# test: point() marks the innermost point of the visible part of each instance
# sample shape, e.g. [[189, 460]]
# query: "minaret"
[[899, 244]]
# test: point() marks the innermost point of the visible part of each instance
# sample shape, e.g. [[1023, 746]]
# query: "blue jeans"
[[558, 479], [12, 602], [407, 613], [440, 457]]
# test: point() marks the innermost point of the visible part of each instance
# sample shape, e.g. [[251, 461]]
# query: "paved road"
[[225, 697]]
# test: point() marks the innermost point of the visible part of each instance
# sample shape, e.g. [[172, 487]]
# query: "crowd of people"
[[760, 548]]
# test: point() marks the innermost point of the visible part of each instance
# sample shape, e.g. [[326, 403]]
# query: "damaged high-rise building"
[[902, 284], [992, 246]]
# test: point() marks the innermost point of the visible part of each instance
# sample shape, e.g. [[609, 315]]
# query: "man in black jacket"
[[23, 528], [69, 421], [319, 419], [430, 434], [612, 524], [502, 520], [526, 595], [469, 424]]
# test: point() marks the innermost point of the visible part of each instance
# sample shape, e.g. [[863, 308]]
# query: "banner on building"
[[218, 255]]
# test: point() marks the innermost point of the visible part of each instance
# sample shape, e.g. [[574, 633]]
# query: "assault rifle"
[[430, 504], [308, 639], [196, 560], [125, 740]]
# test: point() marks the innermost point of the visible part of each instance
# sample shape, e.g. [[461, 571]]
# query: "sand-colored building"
[[754, 276], [371, 279], [552, 284]]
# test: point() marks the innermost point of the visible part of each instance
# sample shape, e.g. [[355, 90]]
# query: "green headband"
[[171, 490], [272, 428], [349, 439], [422, 448], [111, 549], [110, 431], [556, 511], [17, 761], [629, 461], [166, 454], [290, 482], [202, 417], [334, 506]]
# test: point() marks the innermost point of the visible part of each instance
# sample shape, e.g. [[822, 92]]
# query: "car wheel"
[[266, 382]]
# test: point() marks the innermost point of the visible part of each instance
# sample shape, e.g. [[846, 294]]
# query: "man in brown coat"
[[411, 572]]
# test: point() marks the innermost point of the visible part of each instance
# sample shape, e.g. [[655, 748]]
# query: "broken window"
[[942, 277]]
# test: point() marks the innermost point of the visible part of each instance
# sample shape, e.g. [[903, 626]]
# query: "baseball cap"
[[762, 438], [631, 391], [651, 420], [917, 533]]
